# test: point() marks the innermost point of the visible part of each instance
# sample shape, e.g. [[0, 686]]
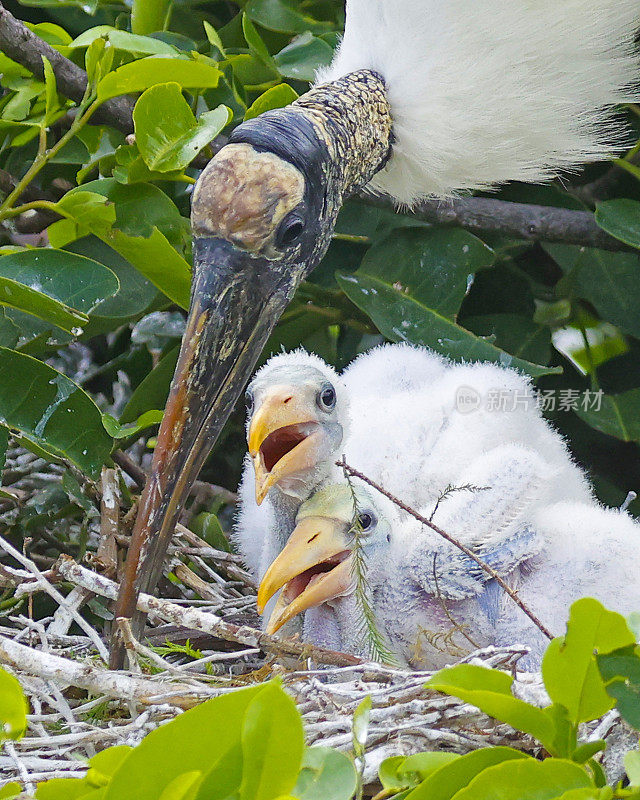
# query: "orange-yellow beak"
[[283, 438], [314, 567]]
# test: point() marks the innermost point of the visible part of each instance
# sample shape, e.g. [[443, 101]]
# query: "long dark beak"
[[236, 300]]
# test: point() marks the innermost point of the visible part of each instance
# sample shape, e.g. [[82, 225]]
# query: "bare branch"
[[469, 553], [23, 46], [107, 553], [99, 680], [203, 621], [525, 221]]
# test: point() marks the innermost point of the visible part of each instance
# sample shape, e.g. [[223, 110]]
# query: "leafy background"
[[89, 330]]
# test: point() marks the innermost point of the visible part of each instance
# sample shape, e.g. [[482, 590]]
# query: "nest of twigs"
[[207, 612]]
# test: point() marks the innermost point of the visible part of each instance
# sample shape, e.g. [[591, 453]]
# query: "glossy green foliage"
[[52, 411], [13, 708], [565, 315], [247, 745]]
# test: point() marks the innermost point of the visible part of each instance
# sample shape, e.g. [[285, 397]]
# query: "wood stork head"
[[317, 564], [263, 213]]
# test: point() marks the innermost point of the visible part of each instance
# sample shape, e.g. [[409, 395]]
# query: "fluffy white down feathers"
[[487, 91]]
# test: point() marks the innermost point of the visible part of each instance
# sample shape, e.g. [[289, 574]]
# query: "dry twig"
[[203, 621], [452, 540]]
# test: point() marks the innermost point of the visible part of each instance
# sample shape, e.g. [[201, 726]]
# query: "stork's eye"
[[289, 231], [248, 400], [366, 521], [327, 398]]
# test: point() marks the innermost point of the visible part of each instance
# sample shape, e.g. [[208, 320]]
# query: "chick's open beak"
[[314, 567], [283, 438]]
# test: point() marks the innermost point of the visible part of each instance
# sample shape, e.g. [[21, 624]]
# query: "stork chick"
[[298, 423], [412, 605], [430, 601]]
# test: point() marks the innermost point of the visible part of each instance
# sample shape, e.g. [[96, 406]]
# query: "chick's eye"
[[289, 231], [327, 398], [248, 400], [366, 521]]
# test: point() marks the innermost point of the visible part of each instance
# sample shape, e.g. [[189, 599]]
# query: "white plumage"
[[432, 603], [487, 91], [399, 410]]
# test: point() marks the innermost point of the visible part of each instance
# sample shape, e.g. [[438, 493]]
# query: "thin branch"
[[22, 45], [469, 553], [207, 622], [99, 680], [525, 221], [128, 465], [107, 552], [55, 594]]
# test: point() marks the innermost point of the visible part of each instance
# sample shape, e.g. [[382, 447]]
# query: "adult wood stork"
[[428, 601], [423, 97]]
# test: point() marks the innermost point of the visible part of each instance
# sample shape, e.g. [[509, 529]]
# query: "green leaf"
[[10, 790], [326, 774], [103, 765], [632, 766], [4, 443], [135, 293], [58, 287], [490, 691], [50, 92], [9, 331], [569, 667], [620, 218], [152, 393], [401, 317], [85, 213], [52, 411], [147, 225], [148, 16], [167, 133], [618, 415], [222, 782], [130, 167], [123, 40], [137, 76], [257, 47], [13, 708], [272, 745], [182, 786], [277, 15], [214, 37], [118, 431], [63, 789], [275, 97], [188, 743], [301, 59], [435, 266], [98, 61], [444, 782], [418, 298], [587, 750], [607, 280], [207, 526], [621, 672], [419, 766], [360, 730], [516, 334], [526, 779]]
